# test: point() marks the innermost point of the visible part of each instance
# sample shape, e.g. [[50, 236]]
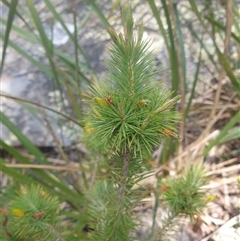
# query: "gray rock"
[[23, 80], [28, 83]]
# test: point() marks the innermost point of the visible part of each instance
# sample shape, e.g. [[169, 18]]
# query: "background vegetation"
[[213, 29]]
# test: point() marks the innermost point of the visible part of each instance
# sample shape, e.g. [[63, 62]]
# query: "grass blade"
[[233, 134], [222, 27], [210, 56], [159, 22], [42, 106], [235, 81], [181, 45], [11, 14], [40, 175], [101, 16], [173, 55], [69, 62], [194, 82], [224, 131], [30, 58], [71, 36], [25, 179], [23, 139], [46, 43]]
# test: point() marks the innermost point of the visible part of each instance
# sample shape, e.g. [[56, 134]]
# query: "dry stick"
[[226, 192], [49, 167], [201, 140], [232, 168], [228, 162], [230, 106], [212, 122], [52, 160], [181, 81], [4, 223], [215, 119], [218, 182], [230, 223]]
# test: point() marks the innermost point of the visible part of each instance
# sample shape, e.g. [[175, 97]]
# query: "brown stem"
[[124, 178], [4, 223]]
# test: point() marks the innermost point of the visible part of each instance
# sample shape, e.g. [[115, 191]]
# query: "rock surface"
[[23, 80]]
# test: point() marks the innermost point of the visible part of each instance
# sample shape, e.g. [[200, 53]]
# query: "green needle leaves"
[[129, 110]]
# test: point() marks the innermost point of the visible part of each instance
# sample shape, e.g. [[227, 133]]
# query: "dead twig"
[[49, 167], [230, 223]]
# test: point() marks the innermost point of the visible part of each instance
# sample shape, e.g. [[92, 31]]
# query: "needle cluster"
[[129, 109], [33, 214]]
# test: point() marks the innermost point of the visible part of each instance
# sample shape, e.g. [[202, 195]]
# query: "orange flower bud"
[[164, 188], [108, 100], [38, 215], [170, 133]]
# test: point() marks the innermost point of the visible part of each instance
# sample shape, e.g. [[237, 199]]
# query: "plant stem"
[[125, 166], [122, 191]]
